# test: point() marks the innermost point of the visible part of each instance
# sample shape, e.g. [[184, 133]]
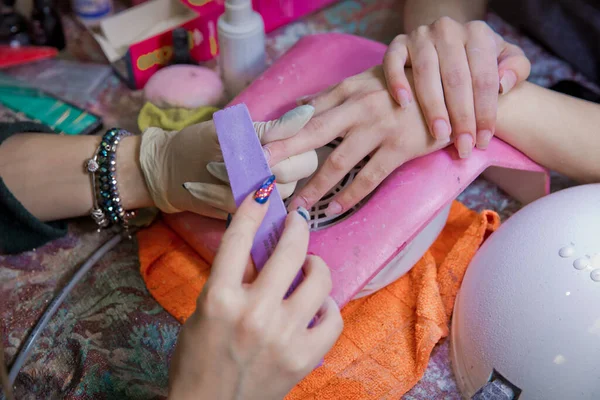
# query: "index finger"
[[232, 257], [286, 126], [282, 268], [319, 131], [395, 59]]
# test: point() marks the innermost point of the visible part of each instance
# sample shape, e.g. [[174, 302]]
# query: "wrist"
[[184, 388], [194, 374], [425, 12], [131, 182], [513, 111]]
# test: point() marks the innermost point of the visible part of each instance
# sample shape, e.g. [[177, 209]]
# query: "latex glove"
[[458, 70], [183, 173], [361, 111], [244, 340]]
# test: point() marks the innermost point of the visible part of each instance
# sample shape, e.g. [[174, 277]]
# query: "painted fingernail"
[[228, 221], [464, 144], [403, 98], [483, 139], [334, 208], [267, 153], [303, 213], [264, 191], [507, 82], [441, 130]]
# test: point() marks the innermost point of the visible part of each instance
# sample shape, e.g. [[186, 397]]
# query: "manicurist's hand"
[[244, 341], [458, 70], [361, 111], [184, 170]]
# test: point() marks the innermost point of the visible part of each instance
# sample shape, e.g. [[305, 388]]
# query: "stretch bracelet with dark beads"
[[107, 202]]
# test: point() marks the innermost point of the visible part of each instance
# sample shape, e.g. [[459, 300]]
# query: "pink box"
[[138, 41]]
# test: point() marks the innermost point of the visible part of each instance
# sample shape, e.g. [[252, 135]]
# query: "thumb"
[[208, 198], [513, 67], [218, 170], [286, 126]]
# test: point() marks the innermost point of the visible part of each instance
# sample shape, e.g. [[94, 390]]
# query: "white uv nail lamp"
[[387, 233]]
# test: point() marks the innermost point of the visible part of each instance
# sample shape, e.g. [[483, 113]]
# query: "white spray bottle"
[[241, 45]]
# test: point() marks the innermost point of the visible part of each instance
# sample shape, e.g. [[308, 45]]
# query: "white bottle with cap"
[[241, 45]]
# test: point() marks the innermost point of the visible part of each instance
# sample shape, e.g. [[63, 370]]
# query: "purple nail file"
[[247, 169]]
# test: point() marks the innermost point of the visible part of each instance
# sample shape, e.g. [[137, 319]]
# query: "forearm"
[[46, 174], [559, 132], [424, 12]]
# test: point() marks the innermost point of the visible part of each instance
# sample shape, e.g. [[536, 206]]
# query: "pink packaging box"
[[138, 41]]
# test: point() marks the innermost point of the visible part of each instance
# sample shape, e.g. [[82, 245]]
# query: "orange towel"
[[388, 337]]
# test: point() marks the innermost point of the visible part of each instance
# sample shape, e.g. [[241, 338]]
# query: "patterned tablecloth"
[[111, 340]]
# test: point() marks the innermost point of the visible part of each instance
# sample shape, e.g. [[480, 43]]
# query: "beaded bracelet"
[[107, 208]]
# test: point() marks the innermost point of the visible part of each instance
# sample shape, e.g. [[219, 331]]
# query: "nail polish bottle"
[[13, 26], [46, 26]]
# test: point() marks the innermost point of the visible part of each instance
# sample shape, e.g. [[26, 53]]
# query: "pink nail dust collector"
[[387, 233]]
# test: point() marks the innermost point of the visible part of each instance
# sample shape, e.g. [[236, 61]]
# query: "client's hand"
[[458, 70], [362, 112], [244, 341], [184, 170]]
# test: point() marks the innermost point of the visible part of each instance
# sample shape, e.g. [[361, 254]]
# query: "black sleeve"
[[19, 229]]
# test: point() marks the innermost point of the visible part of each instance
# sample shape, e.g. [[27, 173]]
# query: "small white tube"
[[241, 35]]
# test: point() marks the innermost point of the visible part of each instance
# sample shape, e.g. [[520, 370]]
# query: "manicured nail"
[[267, 153], [507, 82], [403, 98], [264, 191], [441, 130], [334, 208], [304, 99], [464, 144], [228, 221], [298, 202], [483, 139], [303, 213]]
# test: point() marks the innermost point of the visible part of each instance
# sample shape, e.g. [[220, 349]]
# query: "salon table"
[[110, 339]]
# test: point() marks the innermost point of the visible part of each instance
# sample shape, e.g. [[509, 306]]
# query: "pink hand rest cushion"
[[358, 247]]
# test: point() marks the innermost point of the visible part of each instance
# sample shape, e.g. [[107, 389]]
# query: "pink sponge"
[[184, 86]]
